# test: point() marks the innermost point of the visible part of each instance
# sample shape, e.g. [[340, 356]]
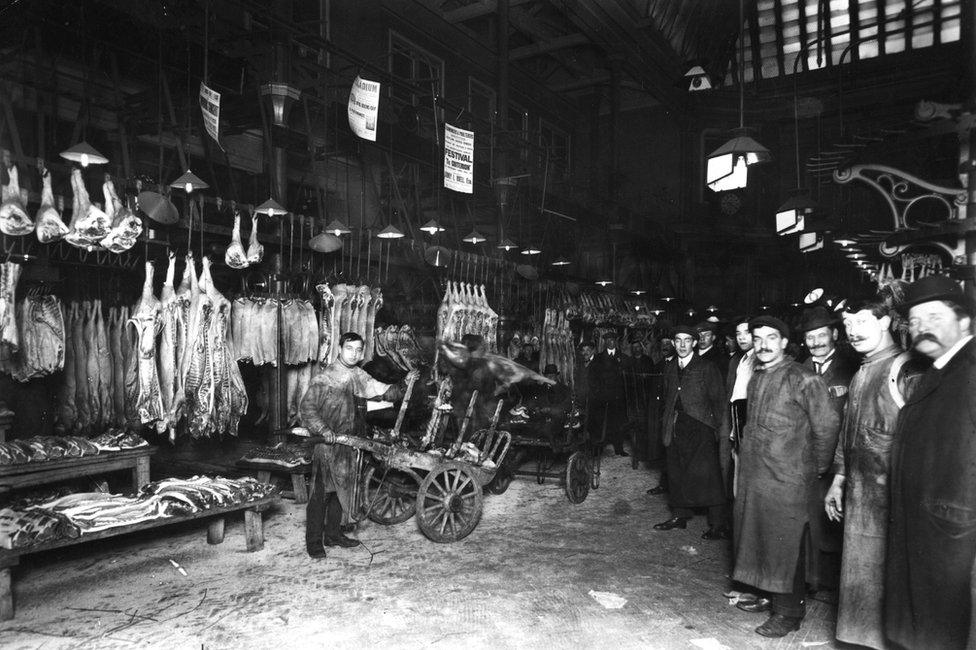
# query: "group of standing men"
[[887, 455]]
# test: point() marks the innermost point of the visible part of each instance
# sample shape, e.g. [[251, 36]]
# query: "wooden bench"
[[253, 538], [298, 473], [42, 472]]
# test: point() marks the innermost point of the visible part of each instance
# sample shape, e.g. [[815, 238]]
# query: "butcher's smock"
[[329, 406]]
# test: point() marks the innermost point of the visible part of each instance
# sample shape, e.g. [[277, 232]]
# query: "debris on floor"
[[608, 600]]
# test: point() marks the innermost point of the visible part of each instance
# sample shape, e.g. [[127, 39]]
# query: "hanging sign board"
[[458, 159], [364, 104], [210, 107]]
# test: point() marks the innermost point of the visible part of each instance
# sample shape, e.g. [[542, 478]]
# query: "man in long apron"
[[329, 407]]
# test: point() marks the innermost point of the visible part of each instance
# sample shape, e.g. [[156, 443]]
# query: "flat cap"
[[685, 329], [770, 321]]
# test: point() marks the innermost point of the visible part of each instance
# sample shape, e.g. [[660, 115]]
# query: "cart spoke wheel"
[[391, 498], [449, 503], [579, 473]]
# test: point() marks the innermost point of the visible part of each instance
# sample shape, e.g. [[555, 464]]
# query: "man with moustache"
[[694, 407], [788, 441], [932, 531], [859, 492]]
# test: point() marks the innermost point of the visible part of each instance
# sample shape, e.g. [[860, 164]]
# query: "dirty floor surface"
[[522, 579]]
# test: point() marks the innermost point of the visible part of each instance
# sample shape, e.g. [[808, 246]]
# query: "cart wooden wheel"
[[390, 497], [579, 473], [449, 503]]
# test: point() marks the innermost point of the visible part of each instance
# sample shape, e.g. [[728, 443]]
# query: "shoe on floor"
[[778, 625], [658, 489], [673, 522], [755, 606], [316, 552], [722, 532], [341, 540]]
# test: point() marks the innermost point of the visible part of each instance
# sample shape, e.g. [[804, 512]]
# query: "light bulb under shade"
[[189, 182], [390, 232], [84, 154], [337, 228], [432, 227], [856, 256], [638, 292], [531, 250], [474, 237], [271, 208], [727, 166], [560, 261], [507, 245], [604, 282], [845, 241]]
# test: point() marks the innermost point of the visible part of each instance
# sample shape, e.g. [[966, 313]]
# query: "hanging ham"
[[13, 216], [235, 257], [255, 251], [50, 227]]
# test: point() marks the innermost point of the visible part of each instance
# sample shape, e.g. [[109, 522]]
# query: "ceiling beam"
[[544, 47], [478, 9]]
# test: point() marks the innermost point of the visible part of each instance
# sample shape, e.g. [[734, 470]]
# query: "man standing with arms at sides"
[[329, 408], [932, 531], [656, 410], [694, 408], [606, 386], [859, 492], [789, 440], [741, 367]]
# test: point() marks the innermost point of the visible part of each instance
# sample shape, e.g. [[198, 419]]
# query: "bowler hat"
[[707, 326], [685, 329], [934, 287], [770, 321], [815, 318]]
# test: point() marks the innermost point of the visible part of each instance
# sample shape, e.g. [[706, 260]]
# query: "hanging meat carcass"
[[126, 226], [50, 227], [145, 322], [13, 215], [465, 310], [235, 256], [326, 339], [168, 351], [9, 333], [89, 224], [374, 306], [255, 251]]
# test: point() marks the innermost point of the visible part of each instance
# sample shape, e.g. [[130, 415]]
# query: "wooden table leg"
[[215, 532], [6, 595], [140, 474], [253, 530], [298, 485]]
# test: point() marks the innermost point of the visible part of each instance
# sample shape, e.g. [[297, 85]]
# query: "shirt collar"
[[941, 362], [704, 350], [682, 363]]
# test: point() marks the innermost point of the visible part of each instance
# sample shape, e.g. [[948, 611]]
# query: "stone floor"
[[522, 579]]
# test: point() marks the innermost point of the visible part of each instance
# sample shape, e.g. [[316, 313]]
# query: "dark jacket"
[[605, 376], [718, 357], [699, 385], [932, 530], [790, 436], [838, 378]]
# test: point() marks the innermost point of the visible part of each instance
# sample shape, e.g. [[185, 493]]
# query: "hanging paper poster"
[[458, 159], [364, 104], [210, 107]]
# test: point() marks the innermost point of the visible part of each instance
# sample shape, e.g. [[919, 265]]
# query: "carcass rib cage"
[[464, 309], [557, 345]]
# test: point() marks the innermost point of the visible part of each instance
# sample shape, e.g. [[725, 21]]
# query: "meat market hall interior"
[[583, 324]]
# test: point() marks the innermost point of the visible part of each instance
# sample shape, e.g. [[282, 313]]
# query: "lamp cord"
[[742, 66]]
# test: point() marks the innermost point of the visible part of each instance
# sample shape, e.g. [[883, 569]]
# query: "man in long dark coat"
[[694, 409], [932, 535], [789, 440], [608, 407]]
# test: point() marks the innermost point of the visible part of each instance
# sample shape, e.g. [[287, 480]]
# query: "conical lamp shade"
[[432, 227], [474, 237], [84, 154], [560, 261], [390, 232], [337, 228], [189, 182], [507, 245], [271, 208], [531, 250]]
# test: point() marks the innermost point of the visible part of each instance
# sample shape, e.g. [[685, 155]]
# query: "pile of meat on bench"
[[283, 454], [41, 448], [35, 522]]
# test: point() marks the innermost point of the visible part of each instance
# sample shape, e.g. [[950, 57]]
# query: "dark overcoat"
[[932, 531], [789, 439]]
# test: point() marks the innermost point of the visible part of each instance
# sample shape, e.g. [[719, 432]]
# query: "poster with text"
[[210, 108], [364, 104], [458, 159]]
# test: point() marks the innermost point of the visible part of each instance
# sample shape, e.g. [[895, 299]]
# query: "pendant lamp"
[[727, 166], [531, 250], [844, 241], [560, 261], [337, 228], [507, 245], [638, 292], [84, 154], [604, 282], [432, 227], [271, 208], [474, 237], [390, 232], [189, 182]]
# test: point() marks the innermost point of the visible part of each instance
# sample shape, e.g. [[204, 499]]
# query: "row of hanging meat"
[[464, 310], [113, 226], [557, 345]]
